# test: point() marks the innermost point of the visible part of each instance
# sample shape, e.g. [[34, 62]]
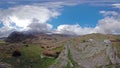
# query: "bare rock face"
[[90, 54], [62, 60]]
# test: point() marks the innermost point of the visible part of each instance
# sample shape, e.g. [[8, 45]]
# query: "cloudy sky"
[[73, 17]]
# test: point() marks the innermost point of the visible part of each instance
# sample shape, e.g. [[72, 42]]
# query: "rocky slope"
[[89, 53]]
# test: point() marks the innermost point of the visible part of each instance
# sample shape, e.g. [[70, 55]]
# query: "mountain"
[[61, 51], [15, 37], [21, 37]]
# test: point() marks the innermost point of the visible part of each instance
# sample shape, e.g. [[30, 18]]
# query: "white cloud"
[[110, 24], [35, 17], [109, 13], [21, 17], [75, 29], [117, 5], [25, 14]]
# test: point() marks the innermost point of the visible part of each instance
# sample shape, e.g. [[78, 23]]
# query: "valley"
[[60, 51]]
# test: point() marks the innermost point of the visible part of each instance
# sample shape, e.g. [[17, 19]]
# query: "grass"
[[59, 49], [112, 66], [71, 59], [2, 42], [68, 65], [31, 51], [31, 57]]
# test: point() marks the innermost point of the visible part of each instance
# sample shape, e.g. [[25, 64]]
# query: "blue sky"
[[1, 24], [85, 15], [59, 16]]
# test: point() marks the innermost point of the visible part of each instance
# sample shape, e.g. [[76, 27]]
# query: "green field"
[[1, 41], [31, 56]]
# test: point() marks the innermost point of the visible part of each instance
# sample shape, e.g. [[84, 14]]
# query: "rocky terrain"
[[61, 51], [91, 54]]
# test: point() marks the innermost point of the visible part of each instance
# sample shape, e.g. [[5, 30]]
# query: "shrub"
[[83, 41], [16, 53]]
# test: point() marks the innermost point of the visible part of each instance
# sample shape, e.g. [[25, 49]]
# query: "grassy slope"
[[31, 56], [96, 36], [1, 41]]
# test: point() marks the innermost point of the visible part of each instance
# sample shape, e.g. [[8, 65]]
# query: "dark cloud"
[[36, 26]]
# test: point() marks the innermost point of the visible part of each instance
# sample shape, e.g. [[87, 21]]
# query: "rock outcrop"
[[90, 54]]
